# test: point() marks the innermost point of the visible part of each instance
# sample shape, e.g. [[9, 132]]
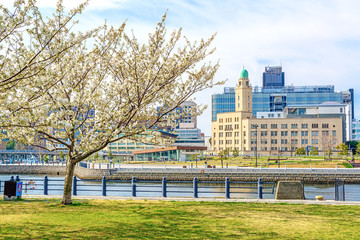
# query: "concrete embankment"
[[80, 172], [178, 174], [32, 169], [238, 176]]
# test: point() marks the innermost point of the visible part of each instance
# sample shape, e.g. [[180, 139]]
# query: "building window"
[[273, 126], [304, 125], [325, 133], [334, 133], [314, 125], [221, 127], [283, 126], [273, 133], [294, 125], [294, 133], [220, 134], [228, 134], [304, 141], [315, 133], [325, 125], [263, 126], [304, 133], [315, 141], [284, 133], [228, 127], [263, 133]]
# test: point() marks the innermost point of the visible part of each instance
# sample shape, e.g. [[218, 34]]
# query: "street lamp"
[[256, 127]]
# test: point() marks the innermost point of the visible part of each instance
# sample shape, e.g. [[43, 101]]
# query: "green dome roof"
[[244, 73]]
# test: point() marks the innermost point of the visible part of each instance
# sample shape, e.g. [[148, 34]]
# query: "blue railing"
[[163, 188]]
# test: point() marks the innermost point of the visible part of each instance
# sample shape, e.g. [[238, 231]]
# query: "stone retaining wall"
[[85, 173], [32, 169], [239, 178]]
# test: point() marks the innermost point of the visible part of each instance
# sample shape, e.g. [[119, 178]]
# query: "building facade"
[[270, 101], [271, 136], [273, 77], [356, 130]]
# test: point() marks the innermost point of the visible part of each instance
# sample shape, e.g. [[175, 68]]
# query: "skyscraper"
[[273, 77]]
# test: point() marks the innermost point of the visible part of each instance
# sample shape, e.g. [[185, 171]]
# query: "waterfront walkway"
[[324, 202]]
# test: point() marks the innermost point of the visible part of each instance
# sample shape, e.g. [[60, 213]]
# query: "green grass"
[[347, 165], [133, 219]]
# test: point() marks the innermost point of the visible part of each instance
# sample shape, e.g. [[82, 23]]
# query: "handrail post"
[[104, 186], [227, 188], [46, 185], [260, 189], [74, 186], [164, 187], [195, 184], [133, 187]]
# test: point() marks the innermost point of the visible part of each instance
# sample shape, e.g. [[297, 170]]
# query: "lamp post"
[[256, 127]]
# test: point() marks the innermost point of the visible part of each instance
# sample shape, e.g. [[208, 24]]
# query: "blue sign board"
[[18, 189]]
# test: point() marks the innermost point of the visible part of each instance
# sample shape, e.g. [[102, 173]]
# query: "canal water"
[[33, 184]]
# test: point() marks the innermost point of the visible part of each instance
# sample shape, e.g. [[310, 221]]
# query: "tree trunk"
[[68, 182]]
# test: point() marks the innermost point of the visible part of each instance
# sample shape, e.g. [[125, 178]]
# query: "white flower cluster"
[[59, 90]]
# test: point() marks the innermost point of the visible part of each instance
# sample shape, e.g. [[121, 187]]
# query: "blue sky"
[[317, 42]]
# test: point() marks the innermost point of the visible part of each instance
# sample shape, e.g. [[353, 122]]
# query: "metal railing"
[[162, 188]]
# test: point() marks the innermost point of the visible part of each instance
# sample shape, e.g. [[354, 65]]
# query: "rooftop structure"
[[273, 77]]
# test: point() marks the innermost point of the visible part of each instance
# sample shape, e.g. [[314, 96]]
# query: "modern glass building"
[[223, 102], [273, 77], [276, 99], [189, 137], [356, 130]]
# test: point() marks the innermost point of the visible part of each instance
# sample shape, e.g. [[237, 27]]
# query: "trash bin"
[[12, 190]]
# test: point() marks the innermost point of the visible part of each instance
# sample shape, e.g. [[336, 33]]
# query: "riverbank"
[[145, 219]]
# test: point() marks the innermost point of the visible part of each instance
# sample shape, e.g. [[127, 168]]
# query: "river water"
[[33, 184]]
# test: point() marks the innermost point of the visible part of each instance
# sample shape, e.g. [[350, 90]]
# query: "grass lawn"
[[263, 162], [135, 219]]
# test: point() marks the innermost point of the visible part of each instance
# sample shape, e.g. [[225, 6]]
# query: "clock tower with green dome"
[[243, 94]]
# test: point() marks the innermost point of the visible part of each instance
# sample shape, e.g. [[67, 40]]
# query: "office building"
[[270, 102], [273, 136], [273, 77], [355, 130]]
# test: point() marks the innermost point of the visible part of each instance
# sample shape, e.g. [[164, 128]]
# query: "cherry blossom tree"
[[110, 88], [29, 44]]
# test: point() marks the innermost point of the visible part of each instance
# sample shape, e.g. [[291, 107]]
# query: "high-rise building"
[[223, 102], [273, 77]]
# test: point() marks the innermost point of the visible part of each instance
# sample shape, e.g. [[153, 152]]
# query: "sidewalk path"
[[325, 202]]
